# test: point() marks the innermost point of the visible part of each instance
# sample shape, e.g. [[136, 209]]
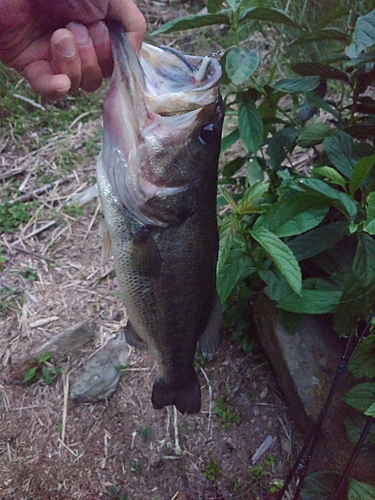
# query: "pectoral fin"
[[144, 253], [212, 335], [133, 339], [107, 251]]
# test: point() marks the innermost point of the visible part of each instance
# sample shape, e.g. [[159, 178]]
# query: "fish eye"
[[208, 134]]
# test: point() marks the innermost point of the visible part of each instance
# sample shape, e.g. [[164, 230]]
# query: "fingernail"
[[98, 32], [81, 35], [65, 47]]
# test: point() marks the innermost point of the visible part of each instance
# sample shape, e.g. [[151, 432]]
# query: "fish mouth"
[[162, 80], [155, 99]]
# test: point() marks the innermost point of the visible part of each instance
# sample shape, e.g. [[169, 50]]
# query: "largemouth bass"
[[157, 179]]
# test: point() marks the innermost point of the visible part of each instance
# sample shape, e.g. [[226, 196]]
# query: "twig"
[[30, 101], [65, 406], [33, 254], [177, 448], [43, 321], [41, 190], [33, 233], [209, 427], [349, 466], [11, 173]]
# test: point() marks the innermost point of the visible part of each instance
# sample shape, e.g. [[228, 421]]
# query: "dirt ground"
[[52, 447]]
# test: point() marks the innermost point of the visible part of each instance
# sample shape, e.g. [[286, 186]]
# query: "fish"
[[157, 179]]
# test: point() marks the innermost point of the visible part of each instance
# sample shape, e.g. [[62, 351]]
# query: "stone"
[[67, 343], [102, 373], [305, 362]]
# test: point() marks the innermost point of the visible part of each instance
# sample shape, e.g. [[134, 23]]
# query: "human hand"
[[61, 46]]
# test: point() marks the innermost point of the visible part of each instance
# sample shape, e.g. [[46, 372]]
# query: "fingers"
[[73, 54], [40, 76]]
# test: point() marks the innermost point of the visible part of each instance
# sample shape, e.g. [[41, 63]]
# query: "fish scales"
[[157, 179]]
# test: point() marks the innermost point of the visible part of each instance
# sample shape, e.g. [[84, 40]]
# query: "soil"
[[53, 448]]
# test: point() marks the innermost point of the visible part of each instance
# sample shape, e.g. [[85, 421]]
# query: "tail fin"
[[186, 398]]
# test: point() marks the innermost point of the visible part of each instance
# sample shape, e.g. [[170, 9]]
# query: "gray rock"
[[100, 376], [305, 362], [68, 342]]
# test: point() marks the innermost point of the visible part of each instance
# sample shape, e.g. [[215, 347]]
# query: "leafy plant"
[[41, 370], [12, 215], [225, 411], [212, 471]]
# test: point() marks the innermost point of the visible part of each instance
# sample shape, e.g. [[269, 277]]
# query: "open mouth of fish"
[[154, 98]]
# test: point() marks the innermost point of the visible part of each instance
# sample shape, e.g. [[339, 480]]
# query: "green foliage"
[[225, 411], [42, 370], [3, 259], [13, 215], [320, 485], [212, 471]]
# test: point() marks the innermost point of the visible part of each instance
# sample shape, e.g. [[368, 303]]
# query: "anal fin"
[[212, 335], [133, 339]]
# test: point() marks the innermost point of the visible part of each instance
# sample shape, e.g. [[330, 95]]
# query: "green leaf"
[[228, 279], [233, 166], [281, 256], [29, 375], [361, 396], [293, 215], [318, 240], [254, 172], [359, 291], [47, 376], [318, 102], [320, 485], [297, 84], [234, 4], [252, 198], [280, 144], [369, 225], [360, 491], [277, 288], [331, 174], [363, 362], [192, 21], [267, 14], [311, 302], [214, 5], [340, 149], [370, 412], [44, 357], [228, 141], [250, 124], [364, 260], [228, 231], [325, 71], [360, 172], [240, 64], [320, 35], [338, 199], [364, 35], [313, 134]]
